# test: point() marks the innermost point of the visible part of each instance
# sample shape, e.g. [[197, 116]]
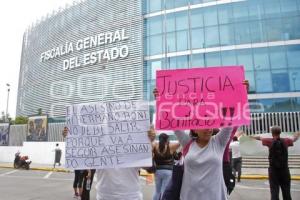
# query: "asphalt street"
[[44, 185]]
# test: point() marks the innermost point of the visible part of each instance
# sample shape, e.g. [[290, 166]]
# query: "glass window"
[[155, 65], [182, 21], [228, 58], [155, 44], [196, 18], [277, 58], [147, 46], [293, 55], [182, 62], [242, 33], [172, 62], [280, 79], [198, 60], [261, 58], [249, 75], [244, 57], [288, 7], [212, 36], [180, 3], [170, 22], [282, 105], [225, 14], [155, 5], [210, 16], [294, 80], [274, 29], [240, 12], [169, 4], [213, 59], [197, 38], [195, 1], [154, 25], [227, 35], [171, 42], [263, 81], [256, 9], [272, 8], [258, 33], [291, 27], [182, 40]]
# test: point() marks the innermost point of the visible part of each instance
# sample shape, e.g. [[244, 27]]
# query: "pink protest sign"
[[201, 98]]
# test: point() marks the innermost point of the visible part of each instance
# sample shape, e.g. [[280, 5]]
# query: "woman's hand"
[[89, 175], [151, 134], [155, 93], [246, 83]]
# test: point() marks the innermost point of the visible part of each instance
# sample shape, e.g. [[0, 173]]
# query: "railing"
[[261, 122]]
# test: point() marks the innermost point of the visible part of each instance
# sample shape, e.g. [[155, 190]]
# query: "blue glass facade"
[[262, 35]]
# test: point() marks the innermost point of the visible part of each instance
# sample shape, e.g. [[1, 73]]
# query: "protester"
[[57, 158], [236, 158], [279, 173], [77, 183], [118, 184], [163, 155], [203, 163], [88, 176]]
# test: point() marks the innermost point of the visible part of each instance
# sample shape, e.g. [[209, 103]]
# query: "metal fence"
[[17, 133], [261, 122]]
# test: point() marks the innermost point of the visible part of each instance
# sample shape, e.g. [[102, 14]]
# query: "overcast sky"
[[15, 17]]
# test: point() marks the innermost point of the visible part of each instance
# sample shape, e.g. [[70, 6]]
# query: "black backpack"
[[278, 156]]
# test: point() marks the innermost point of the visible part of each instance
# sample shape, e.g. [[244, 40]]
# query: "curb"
[[265, 177], [41, 169]]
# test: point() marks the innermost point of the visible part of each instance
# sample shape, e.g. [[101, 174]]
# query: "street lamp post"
[[8, 90]]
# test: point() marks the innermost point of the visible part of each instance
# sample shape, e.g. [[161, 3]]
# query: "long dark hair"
[[163, 140]]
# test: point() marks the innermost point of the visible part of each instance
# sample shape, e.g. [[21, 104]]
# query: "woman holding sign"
[[203, 163]]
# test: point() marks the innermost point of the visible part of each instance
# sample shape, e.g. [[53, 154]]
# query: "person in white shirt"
[[236, 158]]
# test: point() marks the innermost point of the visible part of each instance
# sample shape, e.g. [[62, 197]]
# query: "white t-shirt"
[[118, 184], [235, 148], [203, 172]]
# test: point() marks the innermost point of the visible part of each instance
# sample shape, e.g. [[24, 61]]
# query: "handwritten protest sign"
[[108, 135], [201, 98]]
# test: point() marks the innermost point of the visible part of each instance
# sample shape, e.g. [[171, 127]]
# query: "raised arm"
[[296, 136], [255, 137], [182, 137], [223, 137]]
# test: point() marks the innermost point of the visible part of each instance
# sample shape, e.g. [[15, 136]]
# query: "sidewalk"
[[247, 173], [40, 167]]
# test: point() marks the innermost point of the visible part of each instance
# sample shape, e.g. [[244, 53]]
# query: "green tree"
[[40, 111], [21, 120]]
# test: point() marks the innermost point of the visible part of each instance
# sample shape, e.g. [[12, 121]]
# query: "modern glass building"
[[262, 35]]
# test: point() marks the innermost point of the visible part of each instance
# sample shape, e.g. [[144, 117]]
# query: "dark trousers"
[[228, 177], [86, 193], [280, 178], [237, 167], [77, 183]]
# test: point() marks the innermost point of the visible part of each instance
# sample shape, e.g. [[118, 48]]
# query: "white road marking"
[[48, 175], [10, 172]]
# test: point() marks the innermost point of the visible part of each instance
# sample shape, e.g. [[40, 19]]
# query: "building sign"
[[90, 58]]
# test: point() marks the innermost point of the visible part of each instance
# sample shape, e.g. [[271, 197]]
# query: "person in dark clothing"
[[88, 176], [279, 173], [163, 156], [77, 183], [57, 158]]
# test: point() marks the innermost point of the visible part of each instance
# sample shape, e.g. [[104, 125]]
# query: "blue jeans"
[[162, 178]]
